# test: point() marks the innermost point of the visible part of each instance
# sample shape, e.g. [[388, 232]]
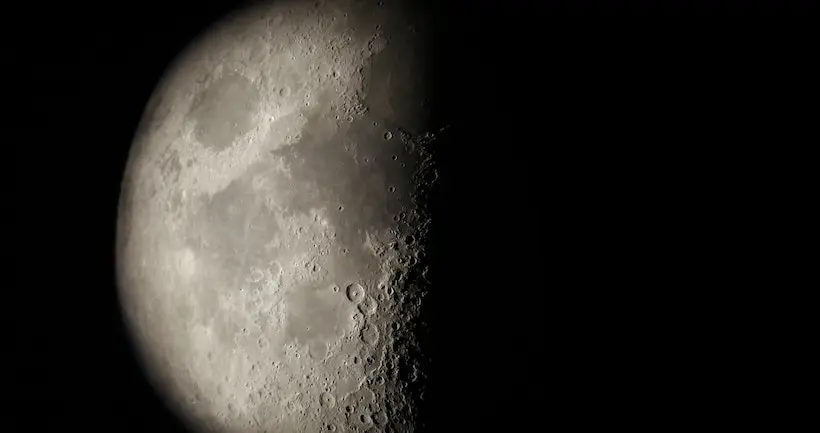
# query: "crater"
[[370, 334]]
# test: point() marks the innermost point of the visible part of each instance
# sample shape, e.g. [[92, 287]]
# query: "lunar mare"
[[272, 229]]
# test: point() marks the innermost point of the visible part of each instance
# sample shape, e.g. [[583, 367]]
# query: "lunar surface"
[[272, 229]]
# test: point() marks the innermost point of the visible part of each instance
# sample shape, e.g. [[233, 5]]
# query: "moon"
[[272, 229]]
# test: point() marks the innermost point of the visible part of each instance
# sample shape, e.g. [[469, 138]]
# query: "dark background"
[[584, 141]]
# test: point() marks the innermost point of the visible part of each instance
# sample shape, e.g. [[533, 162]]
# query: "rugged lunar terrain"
[[272, 228]]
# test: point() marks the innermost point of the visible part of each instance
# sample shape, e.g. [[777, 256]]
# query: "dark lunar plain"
[[584, 161]]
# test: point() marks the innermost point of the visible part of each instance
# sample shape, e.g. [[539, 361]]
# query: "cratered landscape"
[[272, 224]]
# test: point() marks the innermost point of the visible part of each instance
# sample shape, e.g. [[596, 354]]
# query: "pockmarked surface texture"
[[272, 228]]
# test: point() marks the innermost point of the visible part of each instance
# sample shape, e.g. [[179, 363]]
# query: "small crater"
[[370, 334], [388, 135], [256, 276], [365, 418], [262, 343], [355, 293], [275, 268], [367, 306], [380, 418], [327, 400], [377, 44]]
